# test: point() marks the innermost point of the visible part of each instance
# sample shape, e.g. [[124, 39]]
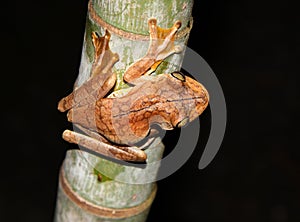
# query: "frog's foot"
[[100, 43], [98, 144], [102, 76], [104, 58], [161, 46], [162, 40]]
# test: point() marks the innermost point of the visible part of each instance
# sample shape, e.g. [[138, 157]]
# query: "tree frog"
[[112, 126]]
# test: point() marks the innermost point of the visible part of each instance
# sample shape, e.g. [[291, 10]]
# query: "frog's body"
[[168, 100], [162, 100]]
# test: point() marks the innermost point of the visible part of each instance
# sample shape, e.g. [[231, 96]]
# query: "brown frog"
[[114, 125]]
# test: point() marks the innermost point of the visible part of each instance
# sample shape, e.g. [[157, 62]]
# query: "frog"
[[123, 126]]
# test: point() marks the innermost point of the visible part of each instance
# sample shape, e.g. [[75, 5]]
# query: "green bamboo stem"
[[95, 189]]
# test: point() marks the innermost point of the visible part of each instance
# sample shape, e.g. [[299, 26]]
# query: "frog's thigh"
[[126, 154]]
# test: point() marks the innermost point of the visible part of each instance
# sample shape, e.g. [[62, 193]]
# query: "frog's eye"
[[178, 75], [183, 122]]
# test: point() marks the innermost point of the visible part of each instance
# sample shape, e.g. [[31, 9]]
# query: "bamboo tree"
[[96, 189]]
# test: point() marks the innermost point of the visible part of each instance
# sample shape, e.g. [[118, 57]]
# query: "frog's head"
[[192, 98]]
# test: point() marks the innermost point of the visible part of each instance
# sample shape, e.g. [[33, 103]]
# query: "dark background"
[[250, 45]]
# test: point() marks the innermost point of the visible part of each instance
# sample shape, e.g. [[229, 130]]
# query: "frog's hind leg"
[[100, 145]]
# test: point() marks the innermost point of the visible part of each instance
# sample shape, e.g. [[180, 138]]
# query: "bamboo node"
[[103, 212], [128, 35]]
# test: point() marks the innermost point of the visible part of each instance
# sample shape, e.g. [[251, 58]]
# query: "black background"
[[250, 45]]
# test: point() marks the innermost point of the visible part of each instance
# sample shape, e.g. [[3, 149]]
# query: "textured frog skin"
[[163, 100], [111, 126]]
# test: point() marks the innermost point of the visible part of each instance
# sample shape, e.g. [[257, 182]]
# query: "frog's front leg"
[[100, 145], [160, 47]]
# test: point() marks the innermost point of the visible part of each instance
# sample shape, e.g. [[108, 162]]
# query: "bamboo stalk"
[[93, 188]]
